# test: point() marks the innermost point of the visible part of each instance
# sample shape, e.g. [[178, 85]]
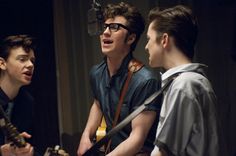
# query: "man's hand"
[[26, 135], [85, 144], [10, 149]]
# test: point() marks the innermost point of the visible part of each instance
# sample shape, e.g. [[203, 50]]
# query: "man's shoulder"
[[191, 79], [98, 68], [146, 74], [192, 83]]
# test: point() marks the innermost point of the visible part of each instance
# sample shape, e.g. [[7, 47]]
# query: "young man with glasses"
[[188, 123], [122, 30]]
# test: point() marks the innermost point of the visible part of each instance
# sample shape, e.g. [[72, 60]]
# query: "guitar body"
[[101, 131], [96, 153], [99, 153]]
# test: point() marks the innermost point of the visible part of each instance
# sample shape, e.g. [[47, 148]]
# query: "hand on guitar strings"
[[10, 149]]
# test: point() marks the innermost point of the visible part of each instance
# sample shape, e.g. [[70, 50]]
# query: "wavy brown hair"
[[135, 21]]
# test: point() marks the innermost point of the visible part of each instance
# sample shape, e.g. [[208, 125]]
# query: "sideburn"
[[126, 37]]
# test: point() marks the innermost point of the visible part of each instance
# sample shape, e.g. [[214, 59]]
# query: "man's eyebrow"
[[22, 55]]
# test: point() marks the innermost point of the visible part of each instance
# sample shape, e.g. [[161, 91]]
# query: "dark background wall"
[[66, 53]]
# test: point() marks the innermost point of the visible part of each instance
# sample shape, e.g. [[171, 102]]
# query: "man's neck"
[[114, 64], [175, 59], [9, 89]]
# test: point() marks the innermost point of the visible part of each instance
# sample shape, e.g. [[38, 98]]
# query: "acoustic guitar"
[[12, 134], [100, 133]]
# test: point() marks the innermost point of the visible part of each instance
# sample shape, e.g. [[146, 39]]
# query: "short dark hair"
[[136, 23], [178, 22], [16, 41]]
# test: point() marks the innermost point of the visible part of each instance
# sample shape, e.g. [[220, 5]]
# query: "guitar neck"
[[10, 131], [12, 134]]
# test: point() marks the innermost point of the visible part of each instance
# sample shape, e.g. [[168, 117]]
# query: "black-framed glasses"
[[114, 27]]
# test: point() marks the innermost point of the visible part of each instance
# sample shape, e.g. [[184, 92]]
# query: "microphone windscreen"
[[95, 21]]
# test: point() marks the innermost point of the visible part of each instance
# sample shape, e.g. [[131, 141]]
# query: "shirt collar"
[[124, 65], [4, 99], [195, 67]]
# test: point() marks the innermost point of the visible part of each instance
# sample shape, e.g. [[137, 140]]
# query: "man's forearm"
[[128, 147], [137, 137], [94, 120]]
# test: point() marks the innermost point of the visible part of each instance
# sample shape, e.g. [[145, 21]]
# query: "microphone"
[[95, 19]]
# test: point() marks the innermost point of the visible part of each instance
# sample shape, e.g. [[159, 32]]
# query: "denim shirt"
[[107, 91]]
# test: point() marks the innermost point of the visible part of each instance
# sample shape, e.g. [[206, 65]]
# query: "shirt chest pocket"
[[124, 112]]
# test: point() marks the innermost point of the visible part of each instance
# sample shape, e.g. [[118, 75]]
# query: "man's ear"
[[131, 38], [165, 40], [2, 64]]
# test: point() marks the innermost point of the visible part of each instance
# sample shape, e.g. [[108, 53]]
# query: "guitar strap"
[[134, 66]]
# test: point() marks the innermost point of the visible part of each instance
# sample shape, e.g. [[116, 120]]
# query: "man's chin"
[[26, 82], [104, 51], [152, 65]]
